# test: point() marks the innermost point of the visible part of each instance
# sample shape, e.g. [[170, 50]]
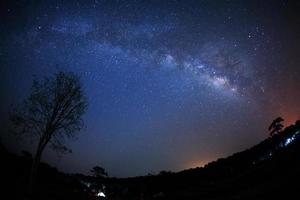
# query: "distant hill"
[[268, 170], [52, 184]]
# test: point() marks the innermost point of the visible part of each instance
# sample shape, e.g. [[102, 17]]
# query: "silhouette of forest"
[[270, 169]]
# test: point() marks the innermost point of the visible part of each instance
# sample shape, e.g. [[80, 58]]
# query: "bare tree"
[[52, 113], [276, 126]]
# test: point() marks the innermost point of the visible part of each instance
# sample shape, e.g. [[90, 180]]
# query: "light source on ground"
[[100, 194]]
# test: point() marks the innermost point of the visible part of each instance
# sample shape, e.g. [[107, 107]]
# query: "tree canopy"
[[99, 172], [52, 112], [276, 126]]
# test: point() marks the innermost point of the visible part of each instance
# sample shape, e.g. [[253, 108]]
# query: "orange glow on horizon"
[[290, 118], [197, 163]]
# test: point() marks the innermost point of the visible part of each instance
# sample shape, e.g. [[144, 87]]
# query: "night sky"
[[171, 85]]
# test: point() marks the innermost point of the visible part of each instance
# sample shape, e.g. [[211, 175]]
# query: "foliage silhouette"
[[52, 113], [99, 172], [276, 126]]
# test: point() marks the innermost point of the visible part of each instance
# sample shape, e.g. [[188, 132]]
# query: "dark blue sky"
[[170, 84]]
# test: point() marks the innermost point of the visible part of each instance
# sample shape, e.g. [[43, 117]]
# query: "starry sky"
[[170, 84]]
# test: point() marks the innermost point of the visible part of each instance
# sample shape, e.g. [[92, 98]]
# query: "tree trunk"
[[34, 169]]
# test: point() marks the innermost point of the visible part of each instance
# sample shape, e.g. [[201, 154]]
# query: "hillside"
[[52, 184], [270, 169]]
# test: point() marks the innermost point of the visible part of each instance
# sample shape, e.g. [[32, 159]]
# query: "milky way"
[[170, 84]]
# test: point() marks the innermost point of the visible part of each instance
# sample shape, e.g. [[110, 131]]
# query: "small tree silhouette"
[[297, 124], [99, 172], [52, 112], [276, 126]]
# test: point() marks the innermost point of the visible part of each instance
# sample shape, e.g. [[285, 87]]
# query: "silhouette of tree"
[[276, 126], [52, 112], [99, 172], [297, 124]]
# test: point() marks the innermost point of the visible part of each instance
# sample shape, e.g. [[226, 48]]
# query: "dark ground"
[[269, 170]]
